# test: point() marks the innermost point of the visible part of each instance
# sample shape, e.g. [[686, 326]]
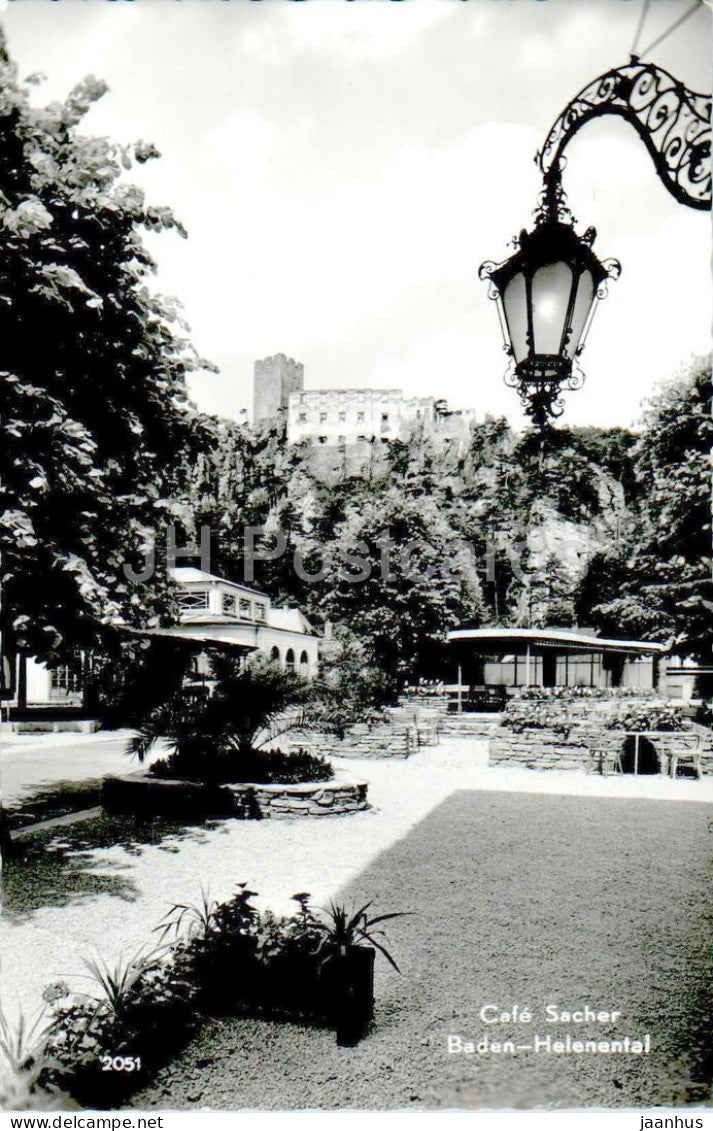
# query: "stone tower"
[[274, 379]]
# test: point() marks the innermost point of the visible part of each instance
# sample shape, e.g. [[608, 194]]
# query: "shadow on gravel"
[[54, 799], [66, 865]]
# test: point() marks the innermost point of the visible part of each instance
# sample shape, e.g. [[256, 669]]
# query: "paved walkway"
[[31, 762]]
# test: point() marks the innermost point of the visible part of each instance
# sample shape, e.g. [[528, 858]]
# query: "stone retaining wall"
[[549, 748], [470, 725], [363, 740], [425, 702], [143, 793]]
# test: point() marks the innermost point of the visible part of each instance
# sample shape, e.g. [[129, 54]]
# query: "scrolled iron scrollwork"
[[673, 122]]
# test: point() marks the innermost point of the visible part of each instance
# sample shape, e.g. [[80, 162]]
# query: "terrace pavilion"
[[550, 657]]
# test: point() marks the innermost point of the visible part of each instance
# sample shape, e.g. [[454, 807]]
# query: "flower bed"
[[552, 728], [144, 793], [212, 959], [362, 740]]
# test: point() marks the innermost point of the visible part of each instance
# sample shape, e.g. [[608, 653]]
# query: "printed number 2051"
[[121, 1063]]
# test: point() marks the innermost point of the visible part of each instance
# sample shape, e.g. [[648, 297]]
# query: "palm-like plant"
[[344, 927], [116, 982], [22, 1059], [250, 705]]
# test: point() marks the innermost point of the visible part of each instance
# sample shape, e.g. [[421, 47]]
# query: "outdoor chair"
[[682, 753], [606, 760], [427, 726]]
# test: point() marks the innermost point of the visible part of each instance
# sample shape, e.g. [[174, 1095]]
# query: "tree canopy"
[[93, 364]]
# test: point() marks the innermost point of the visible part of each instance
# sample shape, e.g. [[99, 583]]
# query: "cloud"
[[366, 31]]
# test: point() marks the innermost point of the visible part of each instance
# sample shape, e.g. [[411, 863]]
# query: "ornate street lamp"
[[547, 292]]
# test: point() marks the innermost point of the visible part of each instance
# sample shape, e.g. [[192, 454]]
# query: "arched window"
[[289, 660], [304, 664], [275, 655]]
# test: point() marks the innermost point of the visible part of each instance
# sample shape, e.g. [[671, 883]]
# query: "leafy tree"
[[399, 577], [97, 425], [666, 591], [551, 592]]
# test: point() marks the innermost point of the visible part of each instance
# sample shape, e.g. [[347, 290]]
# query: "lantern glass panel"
[[515, 307], [551, 289], [582, 306]]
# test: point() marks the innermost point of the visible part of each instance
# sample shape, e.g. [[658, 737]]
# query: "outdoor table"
[[637, 735]]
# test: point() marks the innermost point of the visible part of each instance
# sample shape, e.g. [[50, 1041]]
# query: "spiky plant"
[[196, 920], [22, 1059], [343, 927], [116, 981], [250, 705]]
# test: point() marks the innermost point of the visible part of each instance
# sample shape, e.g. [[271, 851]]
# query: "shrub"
[[214, 957], [351, 690], [260, 767], [210, 736], [143, 1010], [577, 694], [22, 1064], [664, 717]]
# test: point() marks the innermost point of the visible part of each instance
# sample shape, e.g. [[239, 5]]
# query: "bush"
[[260, 767], [351, 690], [212, 735], [213, 958], [578, 694], [655, 717]]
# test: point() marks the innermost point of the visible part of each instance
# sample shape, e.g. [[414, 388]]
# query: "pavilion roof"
[[514, 639]]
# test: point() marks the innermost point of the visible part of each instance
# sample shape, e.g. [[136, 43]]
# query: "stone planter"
[[142, 793]]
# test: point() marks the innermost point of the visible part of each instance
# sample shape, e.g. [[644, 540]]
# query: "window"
[[302, 418], [384, 418], [275, 655], [193, 600], [322, 417], [228, 604], [289, 660], [304, 664], [66, 679], [246, 609], [260, 612], [323, 439], [360, 417], [341, 440], [342, 417]]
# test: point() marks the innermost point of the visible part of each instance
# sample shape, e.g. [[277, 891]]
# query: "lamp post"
[[548, 290]]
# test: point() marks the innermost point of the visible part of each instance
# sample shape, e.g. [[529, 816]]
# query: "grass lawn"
[[517, 898]]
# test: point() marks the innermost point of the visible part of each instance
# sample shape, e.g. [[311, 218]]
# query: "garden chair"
[[682, 750], [607, 759], [427, 728]]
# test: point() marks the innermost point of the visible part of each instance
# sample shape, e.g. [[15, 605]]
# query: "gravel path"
[[100, 886], [517, 898]]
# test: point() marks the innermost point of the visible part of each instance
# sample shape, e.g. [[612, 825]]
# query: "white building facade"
[[218, 611], [350, 416]]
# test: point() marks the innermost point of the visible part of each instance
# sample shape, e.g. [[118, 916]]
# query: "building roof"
[[506, 639], [187, 575]]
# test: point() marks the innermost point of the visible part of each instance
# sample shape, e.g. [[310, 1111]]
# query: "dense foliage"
[[95, 416], [657, 582]]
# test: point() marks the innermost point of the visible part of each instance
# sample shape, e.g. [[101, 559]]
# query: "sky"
[[343, 168]]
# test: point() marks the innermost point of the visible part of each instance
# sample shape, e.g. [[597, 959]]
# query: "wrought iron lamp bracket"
[[673, 122]]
